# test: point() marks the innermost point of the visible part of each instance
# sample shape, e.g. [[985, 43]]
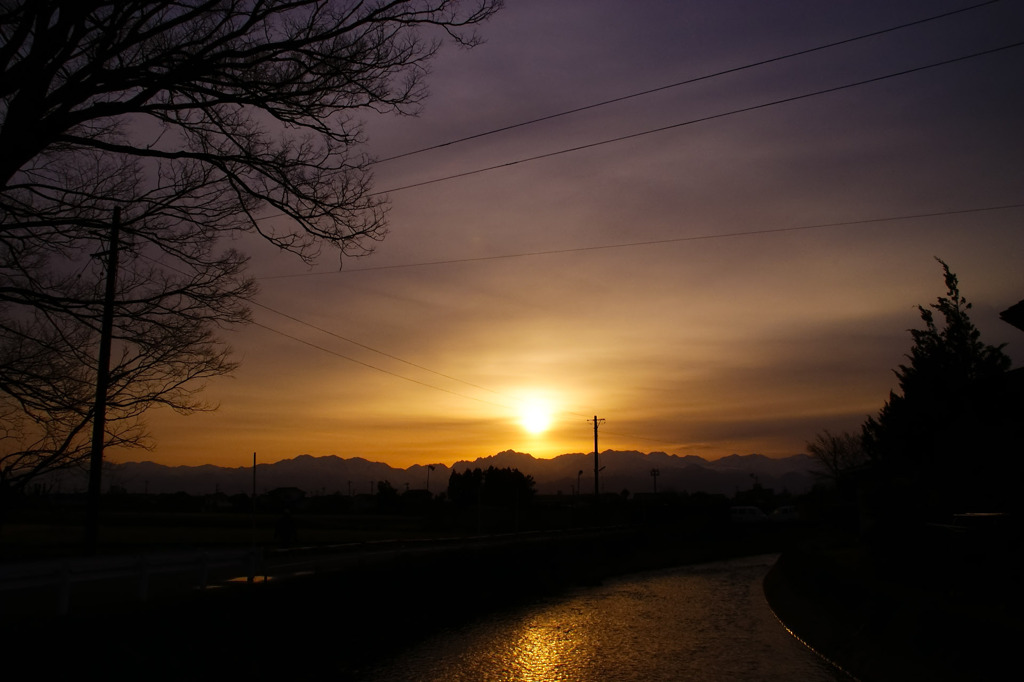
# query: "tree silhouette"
[[505, 487], [387, 495], [840, 454], [195, 120], [465, 489], [947, 436]]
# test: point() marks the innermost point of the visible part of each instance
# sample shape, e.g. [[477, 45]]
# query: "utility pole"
[[597, 469], [99, 417], [254, 502]]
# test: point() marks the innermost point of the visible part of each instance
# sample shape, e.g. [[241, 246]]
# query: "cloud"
[[710, 345]]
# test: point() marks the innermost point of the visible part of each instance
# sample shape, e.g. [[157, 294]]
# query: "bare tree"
[[196, 119], [237, 107], [838, 453]]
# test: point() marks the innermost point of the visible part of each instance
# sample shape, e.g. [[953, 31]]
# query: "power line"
[[670, 240], [662, 241], [592, 248], [385, 354], [659, 89], [409, 379], [483, 388], [702, 119], [373, 350], [412, 364], [369, 348], [645, 243], [374, 367], [688, 81], [361, 345], [388, 355]]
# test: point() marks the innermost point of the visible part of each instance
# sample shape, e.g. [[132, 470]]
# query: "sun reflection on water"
[[545, 652], [706, 622]]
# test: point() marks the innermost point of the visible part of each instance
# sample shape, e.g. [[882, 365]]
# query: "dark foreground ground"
[[930, 603], [331, 622], [933, 608]]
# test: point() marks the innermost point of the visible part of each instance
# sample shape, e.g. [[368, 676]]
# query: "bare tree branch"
[[196, 119]]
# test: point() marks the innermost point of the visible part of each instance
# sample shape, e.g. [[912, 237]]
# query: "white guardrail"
[[63, 574]]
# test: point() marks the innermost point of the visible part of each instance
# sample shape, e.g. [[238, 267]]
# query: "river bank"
[[330, 617], [900, 623]]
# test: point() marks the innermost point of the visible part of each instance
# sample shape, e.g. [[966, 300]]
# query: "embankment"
[[881, 626]]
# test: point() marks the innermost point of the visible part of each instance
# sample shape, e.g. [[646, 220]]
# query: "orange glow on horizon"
[[729, 287]]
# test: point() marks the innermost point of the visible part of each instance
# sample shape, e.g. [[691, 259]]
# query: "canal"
[[704, 622]]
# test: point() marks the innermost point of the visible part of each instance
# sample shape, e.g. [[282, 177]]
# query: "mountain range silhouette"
[[622, 470]]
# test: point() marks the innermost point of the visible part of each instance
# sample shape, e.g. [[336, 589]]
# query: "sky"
[[735, 283]]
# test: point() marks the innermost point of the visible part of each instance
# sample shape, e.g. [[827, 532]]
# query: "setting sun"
[[535, 416]]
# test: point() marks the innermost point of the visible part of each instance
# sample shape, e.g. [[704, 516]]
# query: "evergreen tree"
[[498, 487], [947, 438], [464, 489]]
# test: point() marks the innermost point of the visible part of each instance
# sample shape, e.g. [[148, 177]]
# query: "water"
[[707, 622]]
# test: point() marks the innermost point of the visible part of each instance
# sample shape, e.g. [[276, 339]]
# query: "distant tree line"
[[496, 487]]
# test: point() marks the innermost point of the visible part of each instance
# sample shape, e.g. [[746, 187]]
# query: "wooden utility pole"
[[99, 419], [597, 469], [253, 536]]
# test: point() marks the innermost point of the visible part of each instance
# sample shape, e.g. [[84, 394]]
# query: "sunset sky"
[[728, 285]]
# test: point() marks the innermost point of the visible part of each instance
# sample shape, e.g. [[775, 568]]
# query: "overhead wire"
[[644, 243], [373, 367], [410, 379], [558, 251], [329, 351], [652, 91], [370, 348], [356, 343], [520, 255], [701, 119], [385, 354], [632, 244], [652, 242], [689, 81]]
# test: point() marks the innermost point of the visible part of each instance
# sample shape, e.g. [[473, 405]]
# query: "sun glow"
[[535, 416]]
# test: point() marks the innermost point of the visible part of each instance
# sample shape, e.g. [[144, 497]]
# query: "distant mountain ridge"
[[622, 470]]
